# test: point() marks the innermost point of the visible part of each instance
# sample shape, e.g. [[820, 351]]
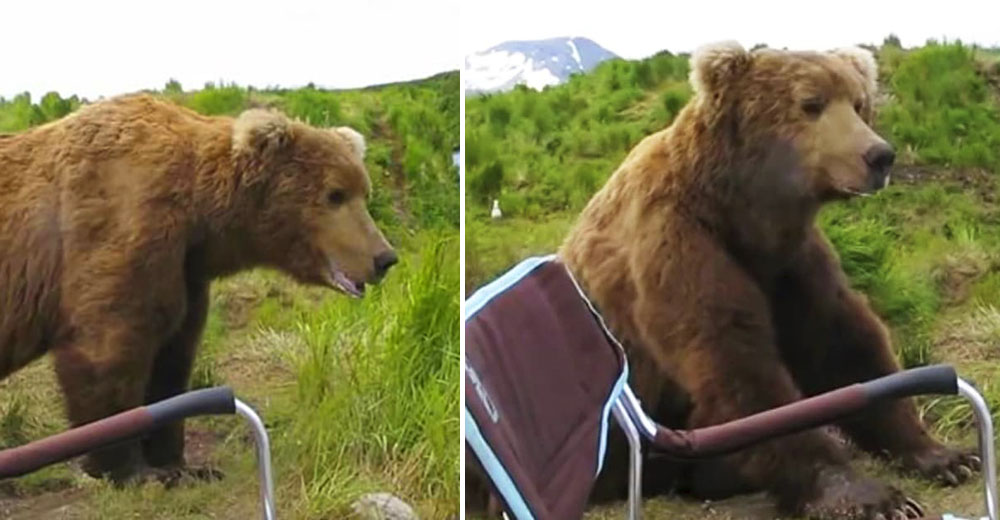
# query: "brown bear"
[[703, 253], [115, 219]]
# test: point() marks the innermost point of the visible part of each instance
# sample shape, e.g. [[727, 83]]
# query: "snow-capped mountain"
[[537, 63]]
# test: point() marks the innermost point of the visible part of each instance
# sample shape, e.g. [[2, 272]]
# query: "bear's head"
[[817, 105], [311, 218]]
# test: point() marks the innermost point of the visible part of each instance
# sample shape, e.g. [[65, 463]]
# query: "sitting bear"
[[703, 253], [115, 219]]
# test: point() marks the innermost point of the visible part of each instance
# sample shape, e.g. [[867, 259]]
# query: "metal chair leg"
[[263, 457], [984, 425], [635, 461]]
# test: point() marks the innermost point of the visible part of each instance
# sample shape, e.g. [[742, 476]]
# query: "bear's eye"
[[337, 197], [814, 106], [858, 105]]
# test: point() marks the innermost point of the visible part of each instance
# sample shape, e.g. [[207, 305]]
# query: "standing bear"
[[703, 254], [115, 219]]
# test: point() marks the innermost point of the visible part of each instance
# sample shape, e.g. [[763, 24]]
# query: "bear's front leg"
[[169, 377], [122, 301], [708, 326], [103, 371], [830, 338], [164, 448], [807, 473]]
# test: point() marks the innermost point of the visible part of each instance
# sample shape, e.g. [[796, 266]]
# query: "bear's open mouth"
[[339, 280]]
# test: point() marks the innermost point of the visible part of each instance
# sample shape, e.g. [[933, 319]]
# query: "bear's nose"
[[383, 261], [880, 157]]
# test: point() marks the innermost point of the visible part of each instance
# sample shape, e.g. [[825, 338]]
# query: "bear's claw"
[[844, 494], [177, 476], [944, 465], [913, 508], [169, 477]]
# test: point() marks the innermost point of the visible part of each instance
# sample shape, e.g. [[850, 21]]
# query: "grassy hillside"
[[926, 250], [358, 396]]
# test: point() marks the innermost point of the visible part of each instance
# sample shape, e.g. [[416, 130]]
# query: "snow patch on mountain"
[[535, 64]]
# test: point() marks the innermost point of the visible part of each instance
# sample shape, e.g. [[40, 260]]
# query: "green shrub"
[[943, 109], [316, 107], [225, 100]]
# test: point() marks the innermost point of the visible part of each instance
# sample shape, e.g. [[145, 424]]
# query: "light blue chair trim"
[[492, 465], [616, 392], [494, 288]]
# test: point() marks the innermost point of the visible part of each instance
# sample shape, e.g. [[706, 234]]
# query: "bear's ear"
[[863, 61], [261, 132], [354, 139], [716, 64]]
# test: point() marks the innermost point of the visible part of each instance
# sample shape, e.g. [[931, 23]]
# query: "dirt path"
[[62, 505]]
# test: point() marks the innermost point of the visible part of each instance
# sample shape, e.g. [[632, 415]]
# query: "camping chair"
[[543, 376], [137, 422]]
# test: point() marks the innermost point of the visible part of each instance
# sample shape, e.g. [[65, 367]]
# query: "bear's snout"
[[879, 159], [383, 261]]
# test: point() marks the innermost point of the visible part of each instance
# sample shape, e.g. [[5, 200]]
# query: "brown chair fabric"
[[539, 373]]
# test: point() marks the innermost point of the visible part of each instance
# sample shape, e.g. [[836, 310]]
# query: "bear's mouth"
[[339, 280], [851, 193], [874, 186]]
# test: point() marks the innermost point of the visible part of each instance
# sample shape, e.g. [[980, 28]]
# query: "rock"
[[382, 506]]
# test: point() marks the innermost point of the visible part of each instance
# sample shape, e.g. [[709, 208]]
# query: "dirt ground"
[[965, 501]]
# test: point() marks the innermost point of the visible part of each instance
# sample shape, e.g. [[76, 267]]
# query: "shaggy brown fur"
[[114, 220], [702, 252]]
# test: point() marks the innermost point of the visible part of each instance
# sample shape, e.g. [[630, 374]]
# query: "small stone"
[[382, 506]]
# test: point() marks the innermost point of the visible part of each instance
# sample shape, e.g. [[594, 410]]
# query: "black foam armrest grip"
[[934, 379], [209, 401]]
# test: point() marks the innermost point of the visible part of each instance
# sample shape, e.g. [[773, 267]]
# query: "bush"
[[211, 101], [943, 109], [316, 107]]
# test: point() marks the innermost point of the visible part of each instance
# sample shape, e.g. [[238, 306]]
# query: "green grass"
[[379, 380], [492, 247]]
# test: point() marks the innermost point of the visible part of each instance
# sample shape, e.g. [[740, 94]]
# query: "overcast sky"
[[107, 47], [635, 29]]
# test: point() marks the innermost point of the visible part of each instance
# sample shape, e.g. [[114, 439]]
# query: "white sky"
[[636, 29], [107, 47]]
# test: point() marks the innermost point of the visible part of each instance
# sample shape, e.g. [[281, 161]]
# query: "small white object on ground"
[[382, 506], [495, 212]]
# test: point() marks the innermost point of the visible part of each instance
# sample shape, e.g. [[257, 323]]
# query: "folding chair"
[[543, 376]]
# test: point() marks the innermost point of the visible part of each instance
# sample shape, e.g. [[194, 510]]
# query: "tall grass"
[[377, 388]]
